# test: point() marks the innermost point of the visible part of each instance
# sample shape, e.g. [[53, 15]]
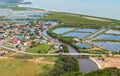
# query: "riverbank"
[[96, 63], [107, 62], [85, 65]]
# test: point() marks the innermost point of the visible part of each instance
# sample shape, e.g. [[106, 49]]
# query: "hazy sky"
[[106, 8]]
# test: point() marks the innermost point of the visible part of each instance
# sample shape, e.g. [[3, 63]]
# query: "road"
[[54, 54]]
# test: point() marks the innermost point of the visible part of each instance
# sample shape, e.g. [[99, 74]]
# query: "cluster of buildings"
[[9, 15], [21, 37]]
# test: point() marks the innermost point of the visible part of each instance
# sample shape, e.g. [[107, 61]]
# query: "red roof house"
[[15, 41]]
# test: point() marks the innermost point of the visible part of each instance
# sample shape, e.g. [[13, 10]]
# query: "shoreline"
[[96, 63], [87, 15], [108, 62]]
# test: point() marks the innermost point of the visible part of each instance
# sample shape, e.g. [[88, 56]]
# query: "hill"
[[11, 1]]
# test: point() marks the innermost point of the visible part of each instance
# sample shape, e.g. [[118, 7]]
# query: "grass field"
[[43, 48], [74, 19], [16, 67]]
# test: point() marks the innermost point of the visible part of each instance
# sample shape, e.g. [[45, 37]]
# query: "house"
[[27, 37], [51, 42], [76, 40], [15, 41], [39, 25], [56, 46], [27, 43], [20, 37]]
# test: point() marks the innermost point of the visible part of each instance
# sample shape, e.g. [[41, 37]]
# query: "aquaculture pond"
[[62, 30], [76, 34], [96, 33], [88, 30], [111, 46], [112, 32], [83, 45], [109, 37]]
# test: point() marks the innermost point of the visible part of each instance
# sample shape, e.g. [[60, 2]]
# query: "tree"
[[65, 64], [39, 51], [33, 43]]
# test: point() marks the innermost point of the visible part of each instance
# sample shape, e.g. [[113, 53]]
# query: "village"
[[23, 37], [26, 36], [37, 37]]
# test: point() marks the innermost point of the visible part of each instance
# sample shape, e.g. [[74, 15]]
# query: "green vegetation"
[[18, 8], [105, 40], [101, 51], [115, 22], [65, 48], [104, 72], [64, 64], [16, 67], [74, 19], [42, 48]]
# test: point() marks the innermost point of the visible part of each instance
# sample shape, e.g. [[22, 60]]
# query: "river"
[[101, 8], [86, 65]]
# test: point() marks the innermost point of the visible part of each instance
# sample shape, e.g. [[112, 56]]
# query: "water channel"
[[86, 65]]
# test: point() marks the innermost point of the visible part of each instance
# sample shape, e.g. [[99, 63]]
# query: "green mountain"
[[11, 1]]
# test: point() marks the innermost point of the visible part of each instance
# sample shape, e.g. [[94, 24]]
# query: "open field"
[[108, 62], [30, 67], [74, 20], [43, 48]]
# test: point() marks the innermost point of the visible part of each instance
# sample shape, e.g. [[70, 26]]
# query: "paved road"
[[54, 54]]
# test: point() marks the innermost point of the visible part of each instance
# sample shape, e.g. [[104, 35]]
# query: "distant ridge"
[[12, 1]]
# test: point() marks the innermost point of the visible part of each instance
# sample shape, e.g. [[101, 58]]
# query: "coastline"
[[87, 15], [61, 7]]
